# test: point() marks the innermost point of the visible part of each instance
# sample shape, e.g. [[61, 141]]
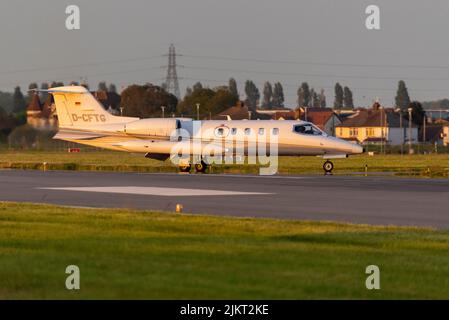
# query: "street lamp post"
[[197, 111], [381, 130], [424, 130], [410, 130], [402, 132], [163, 111]]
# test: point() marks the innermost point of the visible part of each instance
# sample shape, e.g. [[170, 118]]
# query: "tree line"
[[147, 100]]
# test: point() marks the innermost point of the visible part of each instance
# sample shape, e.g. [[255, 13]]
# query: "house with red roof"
[[377, 125]]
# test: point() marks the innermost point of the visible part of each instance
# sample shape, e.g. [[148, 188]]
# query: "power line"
[[338, 76], [318, 63], [91, 64]]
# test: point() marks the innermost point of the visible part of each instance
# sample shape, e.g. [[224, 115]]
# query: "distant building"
[[437, 132], [344, 113], [446, 135], [324, 118], [435, 114], [286, 115], [240, 112], [41, 116], [377, 125], [280, 114]]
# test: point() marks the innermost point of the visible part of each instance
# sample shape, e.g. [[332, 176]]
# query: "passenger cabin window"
[[220, 131], [275, 131], [308, 129], [261, 131], [248, 131], [234, 131]]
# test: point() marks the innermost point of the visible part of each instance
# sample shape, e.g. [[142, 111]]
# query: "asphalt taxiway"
[[371, 200]]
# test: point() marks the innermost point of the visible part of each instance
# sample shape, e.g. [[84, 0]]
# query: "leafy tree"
[[252, 94], [55, 84], [19, 103], [267, 96], [348, 100], [437, 104], [402, 97], [222, 100], [339, 95], [233, 87], [3, 114], [112, 88], [417, 113], [102, 86], [43, 95], [6, 101], [145, 101], [197, 86], [199, 95], [315, 100], [322, 98], [33, 86], [312, 97], [278, 95], [211, 102], [305, 94], [188, 91], [300, 97]]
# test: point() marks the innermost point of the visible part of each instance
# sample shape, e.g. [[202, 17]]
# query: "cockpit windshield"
[[308, 128]]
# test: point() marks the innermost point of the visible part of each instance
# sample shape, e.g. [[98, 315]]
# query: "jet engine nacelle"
[[153, 127]]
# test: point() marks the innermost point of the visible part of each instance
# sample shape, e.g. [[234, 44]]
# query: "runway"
[[371, 200]]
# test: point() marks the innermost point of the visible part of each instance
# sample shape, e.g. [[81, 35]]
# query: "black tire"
[[185, 168], [201, 167], [328, 166]]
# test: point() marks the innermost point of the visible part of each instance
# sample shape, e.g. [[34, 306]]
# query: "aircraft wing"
[[171, 147], [71, 135]]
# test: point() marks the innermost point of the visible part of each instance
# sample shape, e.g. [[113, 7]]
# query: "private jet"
[[83, 120]]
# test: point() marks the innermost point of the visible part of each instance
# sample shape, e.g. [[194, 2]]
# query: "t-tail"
[[77, 108]]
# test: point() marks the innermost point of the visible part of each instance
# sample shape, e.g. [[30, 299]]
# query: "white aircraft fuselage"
[[83, 120]]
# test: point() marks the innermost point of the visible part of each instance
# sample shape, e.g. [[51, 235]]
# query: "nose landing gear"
[[185, 168], [328, 166]]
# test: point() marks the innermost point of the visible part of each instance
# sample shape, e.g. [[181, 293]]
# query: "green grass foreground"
[[429, 165], [147, 255]]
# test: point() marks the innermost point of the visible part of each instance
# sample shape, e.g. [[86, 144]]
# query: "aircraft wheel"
[[185, 168], [328, 166], [200, 167]]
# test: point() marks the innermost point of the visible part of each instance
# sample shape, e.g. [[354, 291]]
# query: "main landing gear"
[[200, 167], [328, 166]]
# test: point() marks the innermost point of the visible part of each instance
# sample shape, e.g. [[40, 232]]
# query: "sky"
[[290, 41]]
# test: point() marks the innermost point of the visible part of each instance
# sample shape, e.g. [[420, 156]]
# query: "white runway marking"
[[157, 191]]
